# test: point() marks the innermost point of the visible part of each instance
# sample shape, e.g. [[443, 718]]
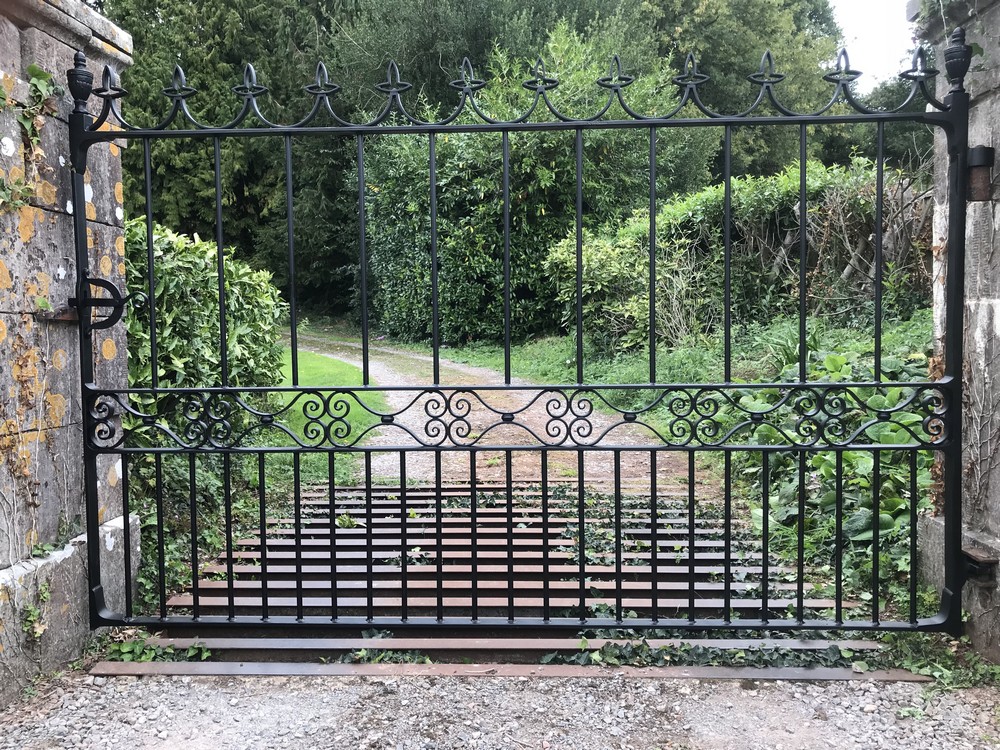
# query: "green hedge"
[[186, 296], [764, 254], [542, 196]]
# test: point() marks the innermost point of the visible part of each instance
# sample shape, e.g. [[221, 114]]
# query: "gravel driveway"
[[487, 713]]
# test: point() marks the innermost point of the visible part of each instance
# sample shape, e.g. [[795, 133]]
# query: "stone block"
[[981, 257], [39, 373], [56, 57], [980, 599], [37, 261], [10, 46], [44, 615], [103, 181], [981, 507], [41, 488]]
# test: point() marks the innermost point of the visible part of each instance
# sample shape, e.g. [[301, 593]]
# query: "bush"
[[843, 355], [189, 356], [764, 257]]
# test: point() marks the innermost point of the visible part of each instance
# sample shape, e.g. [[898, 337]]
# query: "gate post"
[[43, 565], [970, 222]]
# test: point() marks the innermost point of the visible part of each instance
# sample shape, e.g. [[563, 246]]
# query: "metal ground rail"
[[507, 505]]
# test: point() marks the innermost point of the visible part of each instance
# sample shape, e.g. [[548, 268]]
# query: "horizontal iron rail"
[[930, 118], [492, 623], [805, 385]]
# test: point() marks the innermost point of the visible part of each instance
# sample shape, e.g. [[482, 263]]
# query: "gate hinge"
[[114, 303], [981, 162], [979, 566]]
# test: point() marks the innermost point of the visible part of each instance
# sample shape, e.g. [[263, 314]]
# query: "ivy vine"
[[30, 116]]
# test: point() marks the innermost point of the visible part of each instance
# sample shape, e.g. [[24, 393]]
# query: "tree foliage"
[[542, 177], [214, 39]]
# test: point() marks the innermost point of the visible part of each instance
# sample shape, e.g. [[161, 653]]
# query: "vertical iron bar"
[[510, 537], [913, 537], [331, 474], [765, 532], [800, 574], [363, 260], [154, 377], [546, 578], [403, 540], [618, 535], [160, 541], [691, 539], [193, 511], [839, 522], [579, 256], [876, 517], [654, 542], [220, 258], [297, 493], [227, 498], [435, 312], [958, 170], [506, 257], [369, 541], [727, 563], [474, 523], [727, 239], [803, 255], [879, 186], [582, 545], [265, 578], [127, 536], [439, 527], [652, 255], [79, 121], [290, 225]]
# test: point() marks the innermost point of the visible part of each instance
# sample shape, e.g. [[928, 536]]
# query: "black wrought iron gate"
[[508, 504]]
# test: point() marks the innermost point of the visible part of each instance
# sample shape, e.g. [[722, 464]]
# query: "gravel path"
[[422, 713]]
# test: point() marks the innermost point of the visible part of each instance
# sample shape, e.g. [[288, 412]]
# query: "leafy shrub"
[[764, 257], [186, 297], [906, 347]]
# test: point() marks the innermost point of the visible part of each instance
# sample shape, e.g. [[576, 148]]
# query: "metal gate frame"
[[941, 397]]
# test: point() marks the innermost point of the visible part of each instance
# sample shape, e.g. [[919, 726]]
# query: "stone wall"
[[43, 601], [981, 485]]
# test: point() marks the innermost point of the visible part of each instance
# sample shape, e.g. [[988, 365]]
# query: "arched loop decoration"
[[843, 74], [249, 89], [691, 77], [322, 85], [178, 89], [919, 71], [540, 83]]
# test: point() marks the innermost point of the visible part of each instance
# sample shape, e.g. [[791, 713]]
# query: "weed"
[[141, 650], [32, 620]]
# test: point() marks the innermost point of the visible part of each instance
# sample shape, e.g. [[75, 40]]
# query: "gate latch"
[[980, 566]]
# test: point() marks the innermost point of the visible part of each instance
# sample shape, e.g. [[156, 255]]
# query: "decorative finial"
[[81, 83], [957, 59]]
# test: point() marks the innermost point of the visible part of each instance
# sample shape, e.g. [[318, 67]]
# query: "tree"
[[729, 38]]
